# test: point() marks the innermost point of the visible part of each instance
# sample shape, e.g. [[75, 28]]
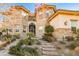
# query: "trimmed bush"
[[48, 33], [69, 38], [48, 37], [49, 29]]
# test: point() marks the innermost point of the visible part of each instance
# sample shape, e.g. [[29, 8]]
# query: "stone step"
[[47, 49], [43, 41], [53, 53], [47, 45]]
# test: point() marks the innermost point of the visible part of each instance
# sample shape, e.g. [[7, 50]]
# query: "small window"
[[17, 30], [49, 12], [10, 30], [73, 29]]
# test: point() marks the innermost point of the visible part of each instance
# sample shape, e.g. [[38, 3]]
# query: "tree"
[[48, 33], [49, 29]]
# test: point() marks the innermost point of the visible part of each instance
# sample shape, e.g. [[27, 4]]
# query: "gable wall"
[[60, 20]]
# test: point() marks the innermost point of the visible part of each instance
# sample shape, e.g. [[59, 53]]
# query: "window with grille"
[[73, 25]]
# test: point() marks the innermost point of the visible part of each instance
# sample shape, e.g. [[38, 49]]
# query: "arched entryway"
[[32, 28]]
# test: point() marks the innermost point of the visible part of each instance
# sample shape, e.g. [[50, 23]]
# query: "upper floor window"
[[24, 14], [17, 30], [17, 27], [49, 12]]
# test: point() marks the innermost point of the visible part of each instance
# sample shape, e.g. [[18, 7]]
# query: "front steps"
[[48, 49]]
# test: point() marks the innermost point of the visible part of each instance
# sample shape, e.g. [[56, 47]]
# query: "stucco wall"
[[59, 21], [62, 29], [15, 21]]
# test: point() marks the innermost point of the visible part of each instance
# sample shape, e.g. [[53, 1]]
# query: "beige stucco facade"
[[15, 19], [62, 23], [60, 20], [18, 17]]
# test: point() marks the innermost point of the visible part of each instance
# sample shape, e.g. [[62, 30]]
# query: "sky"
[[67, 6], [31, 6]]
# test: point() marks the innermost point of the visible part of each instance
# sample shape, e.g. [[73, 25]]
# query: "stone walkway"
[[54, 49], [4, 52], [47, 49]]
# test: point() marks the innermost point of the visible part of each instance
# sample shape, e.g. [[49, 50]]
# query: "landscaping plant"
[[48, 33]]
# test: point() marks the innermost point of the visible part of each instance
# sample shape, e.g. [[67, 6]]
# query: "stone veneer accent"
[[61, 33]]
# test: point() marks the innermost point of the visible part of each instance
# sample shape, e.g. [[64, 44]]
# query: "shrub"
[[20, 43], [16, 36], [69, 38], [7, 38], [13, 39], [30, 40], [48, 37], [16, 50], [19, 51], [30, 35], [32, 51], [49, 29], [62, 42], [27, 41], [48, 33], [73, 44]]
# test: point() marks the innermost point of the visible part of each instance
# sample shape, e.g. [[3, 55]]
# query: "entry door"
[[32, 28]]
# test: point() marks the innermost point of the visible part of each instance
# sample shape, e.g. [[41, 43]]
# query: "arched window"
[[32, 28]]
